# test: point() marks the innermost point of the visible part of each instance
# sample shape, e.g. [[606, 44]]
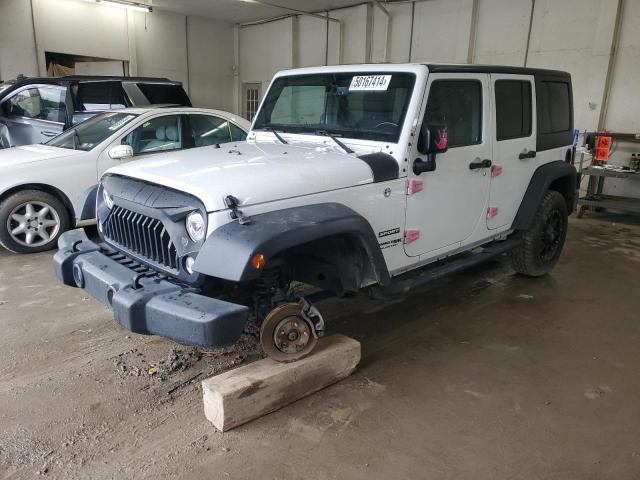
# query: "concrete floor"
[[483, 375]]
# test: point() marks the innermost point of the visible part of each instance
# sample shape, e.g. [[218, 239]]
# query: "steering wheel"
[[385, 123]]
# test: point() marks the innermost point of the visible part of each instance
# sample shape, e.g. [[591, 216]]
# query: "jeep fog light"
[[108, 201], [188, 265], [195, 226]]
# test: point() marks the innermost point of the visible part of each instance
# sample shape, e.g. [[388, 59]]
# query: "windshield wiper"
[[335, 139], [278, 136]]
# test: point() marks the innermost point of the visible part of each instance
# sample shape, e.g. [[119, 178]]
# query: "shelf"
[[626, 204], [602, 172]]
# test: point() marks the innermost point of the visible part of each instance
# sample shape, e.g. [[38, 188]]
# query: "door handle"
[[47, 133], [477, 163], [529, 154]]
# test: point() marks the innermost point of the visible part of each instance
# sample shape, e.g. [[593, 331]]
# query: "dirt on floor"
[[482, 375]]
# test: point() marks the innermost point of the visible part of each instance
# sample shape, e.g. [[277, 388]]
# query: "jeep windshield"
[[359, 105], [90, 133]]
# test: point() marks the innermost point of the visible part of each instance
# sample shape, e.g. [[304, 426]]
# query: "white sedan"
[[47, 189]]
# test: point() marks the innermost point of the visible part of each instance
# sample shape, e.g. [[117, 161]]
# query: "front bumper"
[[146, 305]]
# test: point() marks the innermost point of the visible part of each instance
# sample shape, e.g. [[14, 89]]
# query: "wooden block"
[[251, 391]]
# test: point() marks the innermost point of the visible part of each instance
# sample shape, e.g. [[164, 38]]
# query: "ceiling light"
[[139, 7]]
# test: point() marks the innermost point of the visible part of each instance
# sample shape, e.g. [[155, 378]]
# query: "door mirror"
[[120, 152], [433, 139]]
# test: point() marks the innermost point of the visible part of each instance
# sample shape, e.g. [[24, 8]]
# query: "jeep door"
[[33, 114], [514, 145], [446, 205]]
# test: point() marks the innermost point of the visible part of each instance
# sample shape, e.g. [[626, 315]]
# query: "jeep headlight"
[[195, 226], [108, 200]]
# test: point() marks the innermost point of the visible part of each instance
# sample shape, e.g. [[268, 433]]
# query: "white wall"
[[441, 31], [17, 46], [211, 60], [161, 46]]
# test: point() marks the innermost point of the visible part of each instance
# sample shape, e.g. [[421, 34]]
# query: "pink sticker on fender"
[[414, 186], [411, 236], [492, 212]]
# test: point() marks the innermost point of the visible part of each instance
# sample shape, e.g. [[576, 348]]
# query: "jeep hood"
[[252, 172], [10, 157]]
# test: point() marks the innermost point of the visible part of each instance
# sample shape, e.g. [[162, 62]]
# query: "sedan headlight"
[[108, 200], [195, 226]]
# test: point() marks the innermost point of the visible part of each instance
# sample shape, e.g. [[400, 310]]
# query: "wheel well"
[[338, 263], [43, 188], [566, 187]]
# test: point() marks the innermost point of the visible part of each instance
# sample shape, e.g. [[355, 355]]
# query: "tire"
[[542, 244], [32, 221]]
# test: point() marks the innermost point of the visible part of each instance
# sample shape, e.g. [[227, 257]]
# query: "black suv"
[[33, 110]]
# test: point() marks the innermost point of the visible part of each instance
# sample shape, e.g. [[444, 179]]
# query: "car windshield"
[[365, 105], [90, 133]]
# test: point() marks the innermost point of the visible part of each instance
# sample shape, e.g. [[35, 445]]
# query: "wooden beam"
[[251, 391]]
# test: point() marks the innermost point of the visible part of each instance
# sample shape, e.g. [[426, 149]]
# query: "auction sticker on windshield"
[[370, 82]]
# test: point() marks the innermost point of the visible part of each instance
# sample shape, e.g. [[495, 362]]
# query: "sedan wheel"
[[31, 221], [33, 224]]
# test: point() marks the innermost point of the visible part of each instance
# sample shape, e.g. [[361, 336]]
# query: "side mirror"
[[120, 152], [433, 139]]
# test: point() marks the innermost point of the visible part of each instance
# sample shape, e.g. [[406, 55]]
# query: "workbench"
[[594, 197]]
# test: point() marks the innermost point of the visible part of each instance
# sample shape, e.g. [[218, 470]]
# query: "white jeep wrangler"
[[351, 177]]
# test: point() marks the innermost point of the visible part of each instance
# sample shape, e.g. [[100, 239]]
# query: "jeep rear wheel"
[[542, 243], [31, 221]]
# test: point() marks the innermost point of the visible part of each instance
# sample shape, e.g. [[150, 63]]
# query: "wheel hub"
[[292, 335], [287, 334]]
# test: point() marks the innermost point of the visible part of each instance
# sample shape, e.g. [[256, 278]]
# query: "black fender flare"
[[88, 203], [541, 181], [228, 251]]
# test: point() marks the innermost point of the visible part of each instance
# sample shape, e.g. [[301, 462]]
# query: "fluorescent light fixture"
[[139, 7]]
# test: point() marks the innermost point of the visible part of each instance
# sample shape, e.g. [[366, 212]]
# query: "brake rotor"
[[286, 335]]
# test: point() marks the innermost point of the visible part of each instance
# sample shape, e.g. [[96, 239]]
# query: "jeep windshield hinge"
[[232, 204]]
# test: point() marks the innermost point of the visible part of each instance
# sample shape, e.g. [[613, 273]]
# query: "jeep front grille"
[[142, 235]]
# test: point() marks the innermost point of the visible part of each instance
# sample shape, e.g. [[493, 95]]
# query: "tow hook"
[[312, 315]]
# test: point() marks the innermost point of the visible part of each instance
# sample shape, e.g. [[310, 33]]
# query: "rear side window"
[[556, 107], [209, 130], [98, 96], [42, 103], [458, 105], [513, 109], [158, 93]]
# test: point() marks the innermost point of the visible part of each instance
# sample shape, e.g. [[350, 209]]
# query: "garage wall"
[[17, 45], [153, 44]]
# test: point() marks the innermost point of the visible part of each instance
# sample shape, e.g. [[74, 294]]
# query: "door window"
[[237, 134], [159, 134], [457, 104], [209, 130], [42, 103], [513, 109]]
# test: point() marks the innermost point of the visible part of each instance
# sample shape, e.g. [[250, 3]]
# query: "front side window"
[[158, 134], [94, 131], [456, 104], [513, 109], [209, 130], [369, 106], [42, 103]]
